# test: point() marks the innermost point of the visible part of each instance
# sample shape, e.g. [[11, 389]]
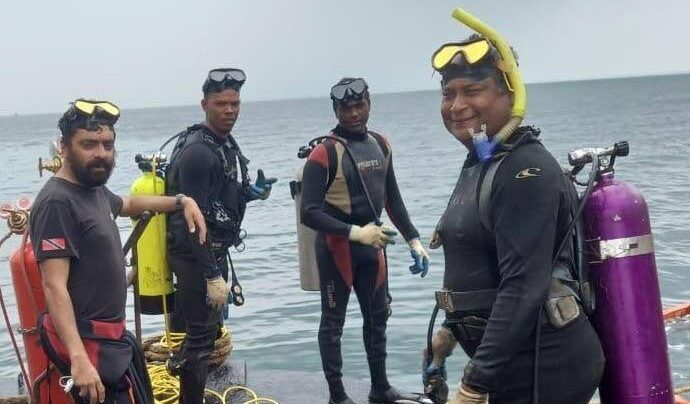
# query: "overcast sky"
[[148, 53]]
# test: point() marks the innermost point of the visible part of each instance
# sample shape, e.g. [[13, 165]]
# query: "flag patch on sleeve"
[[53, 244]]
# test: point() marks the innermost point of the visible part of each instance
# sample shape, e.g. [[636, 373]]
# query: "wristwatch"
[[178, 201]]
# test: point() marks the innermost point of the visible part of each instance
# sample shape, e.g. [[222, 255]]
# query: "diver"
[[78, 249], [509, 292], [204, 165], [344, 206]]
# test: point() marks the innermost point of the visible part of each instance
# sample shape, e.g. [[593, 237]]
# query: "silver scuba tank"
[[306, 237]]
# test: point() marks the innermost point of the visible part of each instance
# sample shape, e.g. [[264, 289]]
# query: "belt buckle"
[[445, 300]]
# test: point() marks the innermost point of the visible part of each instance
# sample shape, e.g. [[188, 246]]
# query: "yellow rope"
[[166, 389]]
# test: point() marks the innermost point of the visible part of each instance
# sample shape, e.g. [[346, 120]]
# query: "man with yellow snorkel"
[[510, 288]]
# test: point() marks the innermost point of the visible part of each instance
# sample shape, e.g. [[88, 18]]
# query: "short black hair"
[[72, 120]]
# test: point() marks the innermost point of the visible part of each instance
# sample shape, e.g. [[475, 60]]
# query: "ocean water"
[[277, 327]]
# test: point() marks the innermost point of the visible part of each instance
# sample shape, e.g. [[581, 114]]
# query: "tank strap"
[[382, 143], [484, 195]]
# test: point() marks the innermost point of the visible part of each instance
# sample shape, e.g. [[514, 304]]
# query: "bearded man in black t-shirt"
[[77, 245]]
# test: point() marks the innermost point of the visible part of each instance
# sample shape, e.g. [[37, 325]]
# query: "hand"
[[218, 291], [432, 370], [88, 381], [261, 188], [420, 257], [194, 218], [465, 395], [373, 235]]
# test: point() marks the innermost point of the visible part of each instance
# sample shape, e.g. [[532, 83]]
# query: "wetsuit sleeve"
[[395, 207], [524, 213], [54, 231], [314, 188], [196, 164]]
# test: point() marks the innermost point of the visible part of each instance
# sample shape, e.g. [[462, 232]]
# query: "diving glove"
[[420, 257], [218, 291], [373, 235], [466, 396], [261, 188]]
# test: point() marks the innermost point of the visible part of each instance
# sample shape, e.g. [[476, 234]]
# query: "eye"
[[472, 91], [110, 145]]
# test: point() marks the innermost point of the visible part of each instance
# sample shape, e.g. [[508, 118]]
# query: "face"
[[466, 104], [222, 110], [353, 115], [91, 155]]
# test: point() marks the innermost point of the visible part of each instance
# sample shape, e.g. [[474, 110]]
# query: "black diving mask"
[[224, 78], [351, 90]]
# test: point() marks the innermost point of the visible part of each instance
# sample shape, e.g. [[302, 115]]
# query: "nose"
[[459, 103], [101, 151]]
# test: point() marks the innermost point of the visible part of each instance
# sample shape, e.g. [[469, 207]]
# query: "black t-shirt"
[[76, 222]]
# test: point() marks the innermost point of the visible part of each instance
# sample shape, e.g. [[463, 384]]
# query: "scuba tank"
[[620, 252], [306, 237], [154, 276]]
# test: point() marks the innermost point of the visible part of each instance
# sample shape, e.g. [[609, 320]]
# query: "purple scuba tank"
[[628, 315]]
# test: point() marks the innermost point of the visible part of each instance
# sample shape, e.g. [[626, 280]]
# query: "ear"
[[204, 104]]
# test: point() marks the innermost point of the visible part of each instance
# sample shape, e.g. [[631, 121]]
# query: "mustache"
[[100, 163]]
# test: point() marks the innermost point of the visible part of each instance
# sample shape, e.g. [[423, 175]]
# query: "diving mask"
[[225, 78], [473, 52], [350, 90], [89, 115]]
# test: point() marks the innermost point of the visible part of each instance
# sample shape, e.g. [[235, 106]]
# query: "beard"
[[95, 173]]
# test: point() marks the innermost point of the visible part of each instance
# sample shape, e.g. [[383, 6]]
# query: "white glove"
[[371, 234], [217, 290], [465, 396]]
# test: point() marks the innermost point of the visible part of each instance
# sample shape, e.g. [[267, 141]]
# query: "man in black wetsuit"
[[507, 287], [204, 165], [349, 242], [78, 249]]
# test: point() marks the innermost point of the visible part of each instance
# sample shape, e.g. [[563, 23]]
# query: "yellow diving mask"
[[89, 107], [473, 51]]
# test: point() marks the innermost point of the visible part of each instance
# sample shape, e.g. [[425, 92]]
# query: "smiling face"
[[466, 104], [90, 155], [222, 110]]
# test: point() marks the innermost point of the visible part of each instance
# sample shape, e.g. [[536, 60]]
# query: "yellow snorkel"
[[510, 69]]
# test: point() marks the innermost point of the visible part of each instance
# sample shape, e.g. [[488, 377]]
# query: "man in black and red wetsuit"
[[350, 239]]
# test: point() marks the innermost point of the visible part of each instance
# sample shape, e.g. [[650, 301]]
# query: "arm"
[[136, 205], [395, 207], [524, 212], [314, 188], [55, 272]]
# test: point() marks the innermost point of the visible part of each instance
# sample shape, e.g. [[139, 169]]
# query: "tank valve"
[[53, 165]]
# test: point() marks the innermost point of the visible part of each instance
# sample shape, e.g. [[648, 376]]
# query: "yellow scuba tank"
[[154, 275]]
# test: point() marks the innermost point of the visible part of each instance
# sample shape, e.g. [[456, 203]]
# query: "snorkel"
[[483, 146]]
